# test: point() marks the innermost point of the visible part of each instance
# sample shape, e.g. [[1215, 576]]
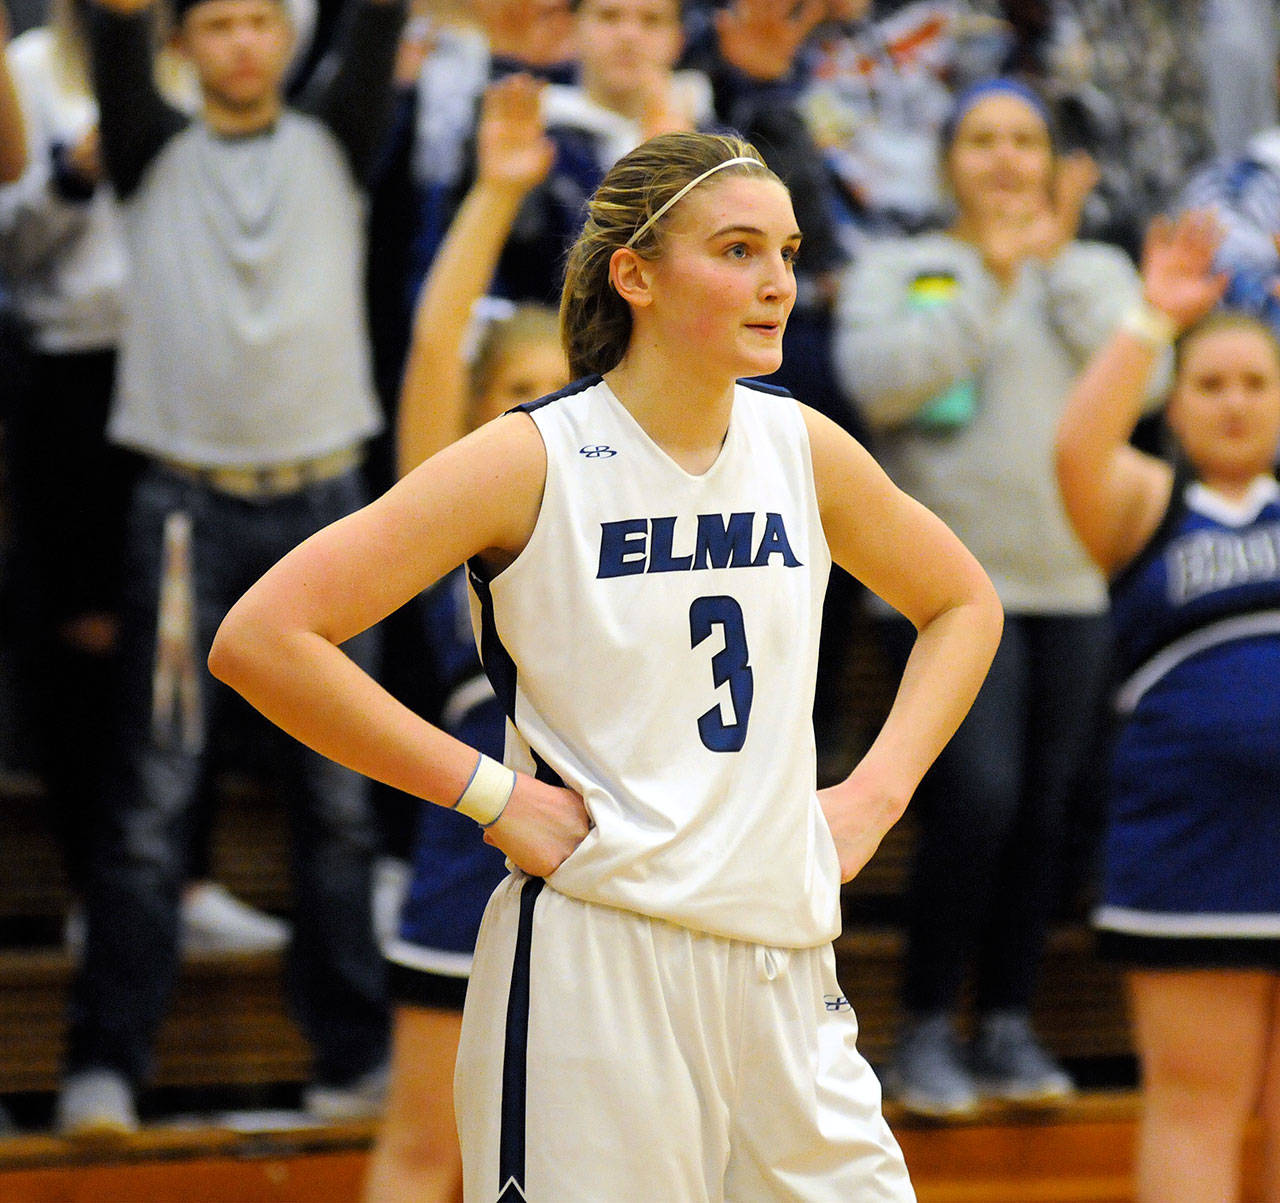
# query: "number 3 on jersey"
[[729, 664]]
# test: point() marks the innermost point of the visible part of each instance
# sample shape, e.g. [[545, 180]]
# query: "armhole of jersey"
[[477, 570], [1173, 514]]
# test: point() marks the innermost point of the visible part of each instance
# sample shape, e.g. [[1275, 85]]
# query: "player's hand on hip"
[[859, 811], [540, 827]]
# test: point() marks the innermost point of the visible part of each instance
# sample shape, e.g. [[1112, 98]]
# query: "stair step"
[[227, 1024]]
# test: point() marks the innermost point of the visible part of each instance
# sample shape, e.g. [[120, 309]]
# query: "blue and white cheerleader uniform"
[[1192, 871]]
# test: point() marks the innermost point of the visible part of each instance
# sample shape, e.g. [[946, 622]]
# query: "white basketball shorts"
[[611, 1058]]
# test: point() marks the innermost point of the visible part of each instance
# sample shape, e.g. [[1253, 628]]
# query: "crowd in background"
[[1146, 106]]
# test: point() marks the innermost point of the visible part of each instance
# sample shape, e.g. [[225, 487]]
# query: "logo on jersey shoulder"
[[597, 451], [836, 1002], [638, 545]]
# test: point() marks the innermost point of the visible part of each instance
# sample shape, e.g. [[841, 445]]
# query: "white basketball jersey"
[[655, 646]]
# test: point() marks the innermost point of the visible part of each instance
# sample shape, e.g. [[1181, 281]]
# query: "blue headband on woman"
[[998, 85]]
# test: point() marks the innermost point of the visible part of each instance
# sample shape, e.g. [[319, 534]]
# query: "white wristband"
[[1149, 325], [488, 791]]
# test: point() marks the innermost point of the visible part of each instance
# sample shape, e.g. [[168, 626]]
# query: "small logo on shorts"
[[836, 1002], [597, 451]]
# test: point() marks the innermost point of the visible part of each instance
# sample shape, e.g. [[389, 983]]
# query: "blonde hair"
[[1218, 320], [595, 322], [527, 323]]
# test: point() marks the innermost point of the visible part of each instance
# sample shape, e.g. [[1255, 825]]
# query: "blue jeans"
[[335, 977], [993, 811]]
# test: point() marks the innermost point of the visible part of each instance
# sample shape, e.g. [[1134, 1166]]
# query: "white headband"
[[689, 187]]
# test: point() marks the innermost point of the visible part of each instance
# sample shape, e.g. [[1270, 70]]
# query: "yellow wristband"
[[1149, 325], [488, 791]]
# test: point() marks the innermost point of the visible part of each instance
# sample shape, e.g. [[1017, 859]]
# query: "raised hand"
[[512, 148], [1177, 266], [1008, 239], [761, 37], [1075, 177]]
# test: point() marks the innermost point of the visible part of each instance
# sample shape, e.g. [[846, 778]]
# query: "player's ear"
[[631, 277]]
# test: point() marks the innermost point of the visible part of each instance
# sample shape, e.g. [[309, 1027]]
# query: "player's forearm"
[[312, 690], [943, 674], [942, 677]]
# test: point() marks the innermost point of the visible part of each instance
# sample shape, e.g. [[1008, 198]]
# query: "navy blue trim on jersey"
[[574, 386], [515, 1066], [497, 662], [499, 667], [586, 382], [761, 386]]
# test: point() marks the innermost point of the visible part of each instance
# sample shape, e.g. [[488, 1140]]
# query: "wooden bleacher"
[[228, 1029], [228, 1023]]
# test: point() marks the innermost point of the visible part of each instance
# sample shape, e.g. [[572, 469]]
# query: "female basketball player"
[[1191, 896], [653, 1010]]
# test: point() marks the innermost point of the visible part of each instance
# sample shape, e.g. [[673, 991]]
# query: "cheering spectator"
[[244, 382]]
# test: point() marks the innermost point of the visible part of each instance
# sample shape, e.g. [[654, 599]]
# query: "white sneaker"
[[390, 885], [365, 1098], [928, 1075], [1010, 1064], [95, 1104], [214, 920]]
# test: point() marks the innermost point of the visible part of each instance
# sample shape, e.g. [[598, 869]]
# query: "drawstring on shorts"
[[771, 963]]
